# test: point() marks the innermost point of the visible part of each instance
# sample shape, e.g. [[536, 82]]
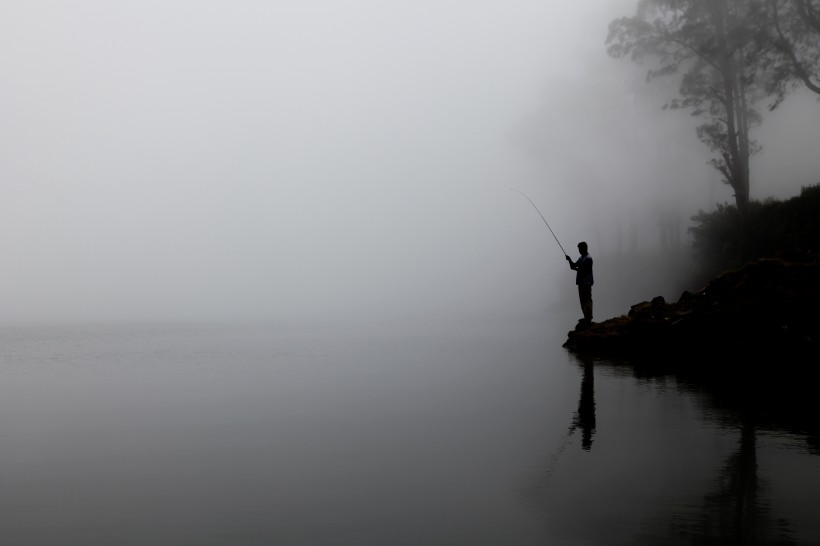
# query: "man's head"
[[582, 247]]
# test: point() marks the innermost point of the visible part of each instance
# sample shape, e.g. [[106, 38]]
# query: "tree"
[[795, 58], [718, 46]]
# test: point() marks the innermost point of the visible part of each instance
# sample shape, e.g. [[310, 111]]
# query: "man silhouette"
[[583, 278]]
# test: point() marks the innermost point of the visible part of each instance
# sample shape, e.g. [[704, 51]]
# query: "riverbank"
[[766, 309]]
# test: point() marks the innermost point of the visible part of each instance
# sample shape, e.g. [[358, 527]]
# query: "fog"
[[205, 160]]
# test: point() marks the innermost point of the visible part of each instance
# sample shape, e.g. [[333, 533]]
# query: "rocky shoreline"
[[769, 309]]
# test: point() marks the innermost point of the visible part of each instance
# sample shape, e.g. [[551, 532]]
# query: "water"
[[370, 434]]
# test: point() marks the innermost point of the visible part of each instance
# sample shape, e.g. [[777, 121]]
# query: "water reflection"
[[739, 509], [585, 416], [740, 506], [734, 391], [583, 419]]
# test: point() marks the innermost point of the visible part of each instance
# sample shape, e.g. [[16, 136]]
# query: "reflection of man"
[[585, 416], [584, 280]]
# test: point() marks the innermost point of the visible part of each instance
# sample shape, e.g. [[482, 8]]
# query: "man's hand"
[[568, 258]]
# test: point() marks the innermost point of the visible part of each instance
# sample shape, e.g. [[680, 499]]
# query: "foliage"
[[729, 237], [719, 46], [794, 29]]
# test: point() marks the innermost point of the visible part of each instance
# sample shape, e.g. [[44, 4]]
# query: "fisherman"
[[583, 278]]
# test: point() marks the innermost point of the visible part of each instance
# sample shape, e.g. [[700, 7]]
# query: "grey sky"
[[214, 159]]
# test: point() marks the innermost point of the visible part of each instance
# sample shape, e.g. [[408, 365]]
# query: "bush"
[[729, 238]]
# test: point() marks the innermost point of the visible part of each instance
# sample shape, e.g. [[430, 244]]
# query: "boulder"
[[769, 308]]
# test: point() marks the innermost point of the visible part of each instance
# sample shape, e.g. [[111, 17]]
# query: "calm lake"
[[442, 433]]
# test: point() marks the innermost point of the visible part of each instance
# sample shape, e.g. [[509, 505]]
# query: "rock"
[[769, 308]]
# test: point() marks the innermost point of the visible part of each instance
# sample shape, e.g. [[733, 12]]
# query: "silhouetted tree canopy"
[[795, 59], [717, 45]]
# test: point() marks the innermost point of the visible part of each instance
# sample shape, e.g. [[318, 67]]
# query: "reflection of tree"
[[736, 512], [733, 508], [738, 508]]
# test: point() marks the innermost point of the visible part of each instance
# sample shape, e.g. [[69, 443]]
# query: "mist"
[[281, 160]]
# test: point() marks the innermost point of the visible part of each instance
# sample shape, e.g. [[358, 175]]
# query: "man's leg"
[[588, 311], [585, 295]]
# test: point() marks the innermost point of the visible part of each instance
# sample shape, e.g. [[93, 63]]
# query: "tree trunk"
[[741, 182], [734, 101]]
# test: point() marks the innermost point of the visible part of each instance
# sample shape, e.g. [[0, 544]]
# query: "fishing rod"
[[544, 219]]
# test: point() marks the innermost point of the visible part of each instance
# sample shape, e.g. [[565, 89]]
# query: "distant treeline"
[[729, 237]]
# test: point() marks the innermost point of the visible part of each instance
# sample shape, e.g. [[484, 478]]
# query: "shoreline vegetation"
[[760, 308], [767, 308], [751, 335]]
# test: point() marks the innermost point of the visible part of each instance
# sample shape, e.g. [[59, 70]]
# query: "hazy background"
[[324, 158]]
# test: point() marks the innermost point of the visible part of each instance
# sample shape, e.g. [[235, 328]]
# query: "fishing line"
[[556, 456], [584, 418], [544, 219]]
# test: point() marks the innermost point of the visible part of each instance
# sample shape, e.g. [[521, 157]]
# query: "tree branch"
[[785, 47], [809, 15]]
